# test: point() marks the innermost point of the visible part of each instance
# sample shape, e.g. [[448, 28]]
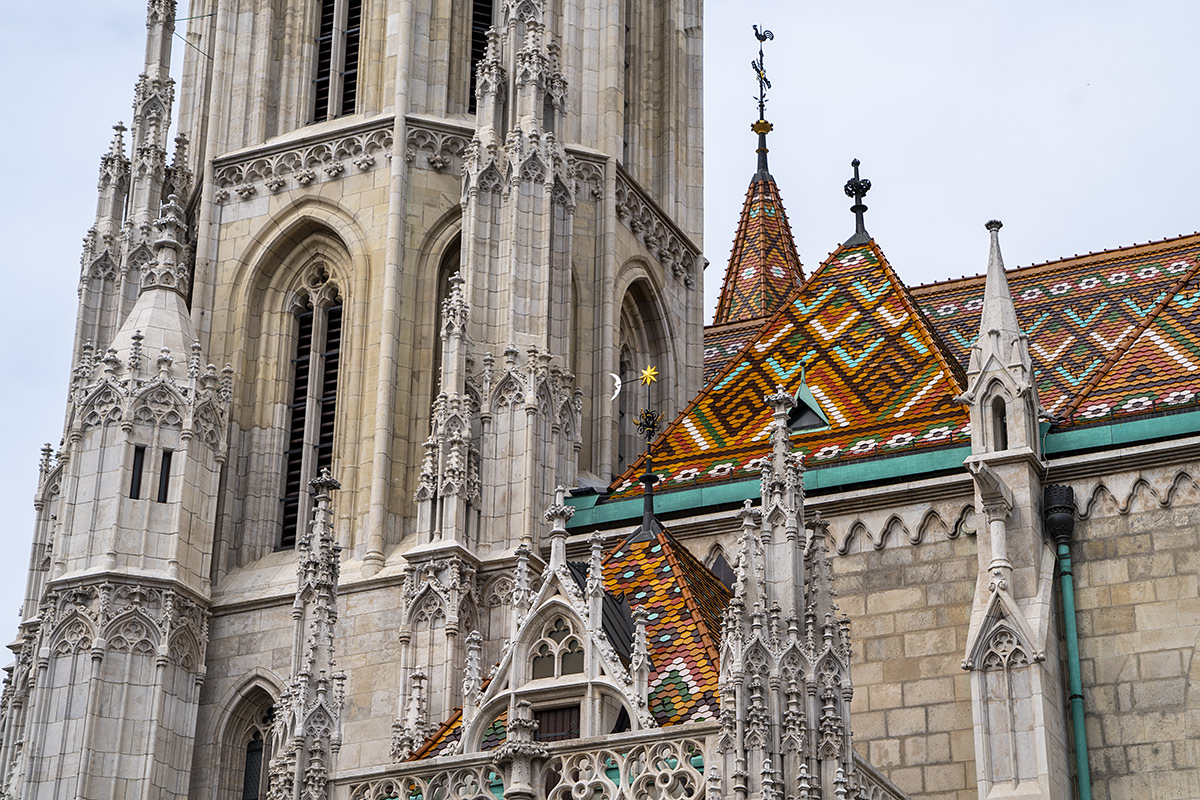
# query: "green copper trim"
[[590, 511]]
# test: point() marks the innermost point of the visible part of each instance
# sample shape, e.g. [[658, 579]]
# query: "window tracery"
[[558, 652]]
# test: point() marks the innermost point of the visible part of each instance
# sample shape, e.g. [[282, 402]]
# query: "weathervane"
[[761, 126], [760, 70], [857, 188]]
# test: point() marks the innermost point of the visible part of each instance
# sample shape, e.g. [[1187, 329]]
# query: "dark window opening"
[[481, 21], [803, 418], [252, 772], [720, 567], [313, 410], [1000, 422], [164, 477], [350, 57], [135, 481], [557, 724], [543, 662], [294, 471], [321, 83], [572, 658], [339, 41], [622, 723]]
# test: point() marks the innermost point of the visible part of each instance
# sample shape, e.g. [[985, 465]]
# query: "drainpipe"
[[1060, 523]]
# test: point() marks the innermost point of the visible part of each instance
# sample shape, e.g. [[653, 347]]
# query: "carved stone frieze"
[[652, 228], [301, 166], [440, 151]]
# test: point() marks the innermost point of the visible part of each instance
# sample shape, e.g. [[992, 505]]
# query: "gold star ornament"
[[649, 376]]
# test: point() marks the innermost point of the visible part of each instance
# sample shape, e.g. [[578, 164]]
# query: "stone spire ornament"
[[857, 189], [307, 730]]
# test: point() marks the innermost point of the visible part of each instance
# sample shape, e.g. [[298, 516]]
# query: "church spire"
[[764, 267]]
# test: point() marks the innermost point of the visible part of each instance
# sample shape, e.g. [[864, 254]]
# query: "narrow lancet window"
[[313, 409], [335, 79], [135, 481], [164, 477]]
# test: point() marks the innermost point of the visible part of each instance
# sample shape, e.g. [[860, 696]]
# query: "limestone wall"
[[1137, 572]]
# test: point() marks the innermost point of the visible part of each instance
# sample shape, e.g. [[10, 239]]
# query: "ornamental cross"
[[760, 71], [857, 188]]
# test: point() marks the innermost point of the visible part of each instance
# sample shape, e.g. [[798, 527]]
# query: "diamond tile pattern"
[[1103, 329], [683, 602], [764, 268], [866, 352]]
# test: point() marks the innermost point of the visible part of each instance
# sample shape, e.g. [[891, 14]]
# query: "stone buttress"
[[1016, 680]]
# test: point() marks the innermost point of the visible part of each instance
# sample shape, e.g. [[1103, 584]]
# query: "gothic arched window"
[[558, 652], [246, 748], [313, 400], [335, 82]]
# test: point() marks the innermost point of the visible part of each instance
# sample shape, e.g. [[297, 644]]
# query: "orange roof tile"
[[869, 357], [764, 268]]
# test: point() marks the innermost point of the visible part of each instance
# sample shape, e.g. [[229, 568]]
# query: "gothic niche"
[[1007, 700]]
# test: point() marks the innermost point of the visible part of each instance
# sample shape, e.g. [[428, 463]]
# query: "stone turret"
[[124, 594], [119, 246], [1016, 686]]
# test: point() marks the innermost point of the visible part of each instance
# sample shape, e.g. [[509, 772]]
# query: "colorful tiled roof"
[[764, 268], [866, 352], [683, 602], [1105, 330], [723, 342]]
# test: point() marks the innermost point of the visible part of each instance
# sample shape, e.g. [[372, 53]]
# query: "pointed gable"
[[683, 601], [764, 268], [866, 354], [1081, 314]]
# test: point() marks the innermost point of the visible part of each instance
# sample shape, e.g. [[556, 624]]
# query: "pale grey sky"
[[1073, 122]]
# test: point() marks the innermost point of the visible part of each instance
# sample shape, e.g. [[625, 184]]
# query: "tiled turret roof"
[[763, 266]]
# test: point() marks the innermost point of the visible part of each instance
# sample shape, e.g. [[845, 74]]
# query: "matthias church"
[[399, 464]]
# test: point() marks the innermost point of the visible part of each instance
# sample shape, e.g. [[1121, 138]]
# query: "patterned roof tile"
[[683, 602], [1082, 315], [866, 352], [764, 268]]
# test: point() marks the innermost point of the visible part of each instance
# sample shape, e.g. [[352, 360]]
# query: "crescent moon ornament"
[[616, 386]]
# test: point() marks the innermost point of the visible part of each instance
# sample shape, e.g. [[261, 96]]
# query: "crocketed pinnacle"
[[763, 265]]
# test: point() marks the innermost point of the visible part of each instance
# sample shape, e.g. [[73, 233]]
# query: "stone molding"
[[669, 245], [312, 161], [435, 147]]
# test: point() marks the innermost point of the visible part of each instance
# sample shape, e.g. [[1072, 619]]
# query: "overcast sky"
[[1073, 122]]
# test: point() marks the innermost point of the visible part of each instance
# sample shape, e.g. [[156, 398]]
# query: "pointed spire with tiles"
[[763, 266]]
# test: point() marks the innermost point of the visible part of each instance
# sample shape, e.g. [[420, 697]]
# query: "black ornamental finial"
[[857, 188], [762, 127]]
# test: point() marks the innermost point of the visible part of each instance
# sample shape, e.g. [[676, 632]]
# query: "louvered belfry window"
[[339, 36], [481, 20], [313, 408]]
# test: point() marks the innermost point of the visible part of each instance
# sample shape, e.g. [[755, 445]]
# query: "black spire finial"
[[762, 127], [648, 425], [857, 188]]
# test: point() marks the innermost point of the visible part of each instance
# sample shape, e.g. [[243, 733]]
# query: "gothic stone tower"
[[424, 234]]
